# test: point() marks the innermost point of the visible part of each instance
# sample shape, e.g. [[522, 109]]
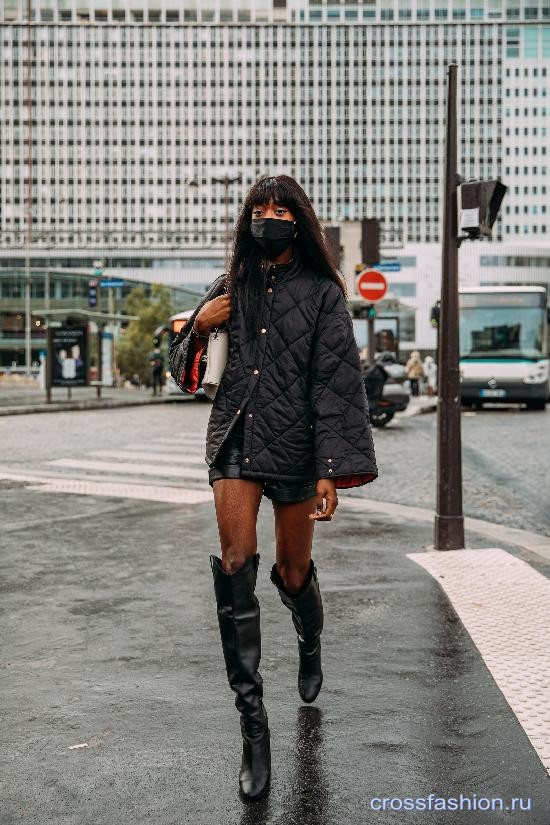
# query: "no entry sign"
[[371, 285]]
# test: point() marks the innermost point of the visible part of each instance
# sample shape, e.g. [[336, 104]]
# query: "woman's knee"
[[233, 557], [293, 572]]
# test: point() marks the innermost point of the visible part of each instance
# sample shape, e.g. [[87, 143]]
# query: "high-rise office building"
[[141, 107]]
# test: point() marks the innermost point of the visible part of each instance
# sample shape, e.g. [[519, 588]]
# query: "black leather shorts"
[[228, 465]]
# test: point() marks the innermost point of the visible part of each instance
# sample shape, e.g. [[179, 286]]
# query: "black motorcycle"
[[383, 405]]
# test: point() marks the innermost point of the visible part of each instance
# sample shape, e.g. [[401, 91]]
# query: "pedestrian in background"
[[415, 371], [289, 421], [430, 373], [156, 360]]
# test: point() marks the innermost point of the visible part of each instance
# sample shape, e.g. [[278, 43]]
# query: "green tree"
[[137, 341]]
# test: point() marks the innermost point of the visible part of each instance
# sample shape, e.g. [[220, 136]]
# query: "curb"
[[72, 406], [533, 542]]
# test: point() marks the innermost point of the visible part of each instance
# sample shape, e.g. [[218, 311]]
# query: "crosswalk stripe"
[[182, 439], [166, 449], [131, 469], [171, 495], [137, 455], [52, 474]]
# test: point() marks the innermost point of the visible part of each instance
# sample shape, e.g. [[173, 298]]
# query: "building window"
[[512, 42], [530, 44]]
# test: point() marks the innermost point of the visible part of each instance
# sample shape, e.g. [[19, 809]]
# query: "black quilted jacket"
[[297, 383]]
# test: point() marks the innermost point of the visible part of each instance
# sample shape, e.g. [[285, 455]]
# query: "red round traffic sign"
[[371, 285]]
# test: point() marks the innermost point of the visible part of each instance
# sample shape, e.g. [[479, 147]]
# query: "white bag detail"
[[217, 352]]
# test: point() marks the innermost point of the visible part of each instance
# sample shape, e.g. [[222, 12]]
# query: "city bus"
[[504, 345]]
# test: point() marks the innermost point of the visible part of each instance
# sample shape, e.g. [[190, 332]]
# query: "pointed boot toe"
[[255, 773], [310, 674]]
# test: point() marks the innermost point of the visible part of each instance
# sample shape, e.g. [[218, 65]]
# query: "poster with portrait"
[[69, 353]]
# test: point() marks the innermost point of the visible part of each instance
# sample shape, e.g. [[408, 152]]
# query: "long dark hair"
[[246, 269]]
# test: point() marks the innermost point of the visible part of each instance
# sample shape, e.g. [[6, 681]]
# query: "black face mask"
[[273, 235]]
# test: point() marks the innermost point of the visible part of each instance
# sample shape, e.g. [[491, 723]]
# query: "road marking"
[[166, 449], [504, 604], [138, 455], [182, 439], [131, 469], [535, 543], [170, 495]]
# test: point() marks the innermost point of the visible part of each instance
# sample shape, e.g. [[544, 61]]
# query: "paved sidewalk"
[[116, 705], [25, 400]]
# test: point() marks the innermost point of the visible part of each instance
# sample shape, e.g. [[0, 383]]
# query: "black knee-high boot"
[[307, 616], [239, 621]]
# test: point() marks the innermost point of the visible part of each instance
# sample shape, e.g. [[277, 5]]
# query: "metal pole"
[[449, 519], [28, 83], [370, 339], [226, 238], [114, 330]]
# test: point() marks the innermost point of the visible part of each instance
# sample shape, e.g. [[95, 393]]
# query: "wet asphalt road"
[[111, 639], [506, 453]]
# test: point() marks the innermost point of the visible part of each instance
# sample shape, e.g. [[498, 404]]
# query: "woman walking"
[[415, 371], [289, 422]]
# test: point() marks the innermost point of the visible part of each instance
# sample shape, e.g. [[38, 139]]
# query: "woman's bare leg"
[[293, 541], [237, 502]]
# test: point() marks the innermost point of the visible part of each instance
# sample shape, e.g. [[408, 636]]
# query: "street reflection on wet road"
[[307, 800]]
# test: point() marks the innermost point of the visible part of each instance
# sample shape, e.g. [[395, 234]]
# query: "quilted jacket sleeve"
[[186, 349], [343, 442]]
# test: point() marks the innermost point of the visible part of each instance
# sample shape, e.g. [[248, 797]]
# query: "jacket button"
[[330, 471], [264, 329], [329, 460], [247, 460], [250, 415], [273, 277], [269, 289], [256, 372], [238, 411]]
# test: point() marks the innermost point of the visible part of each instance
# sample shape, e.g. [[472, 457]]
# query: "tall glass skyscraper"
[[139, 105]]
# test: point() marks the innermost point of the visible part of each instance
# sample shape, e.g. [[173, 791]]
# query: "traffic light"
[[370, 241], [434, 316], [92, 293], [478, 206], [371, 313]]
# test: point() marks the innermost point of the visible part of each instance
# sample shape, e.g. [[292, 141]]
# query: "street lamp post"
[[28, 85], [227, 181], [449, 519]]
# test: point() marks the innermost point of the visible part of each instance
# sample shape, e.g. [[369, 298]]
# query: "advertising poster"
[[69, 356]]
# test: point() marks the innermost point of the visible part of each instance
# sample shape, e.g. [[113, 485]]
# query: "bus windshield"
[[502, 332]]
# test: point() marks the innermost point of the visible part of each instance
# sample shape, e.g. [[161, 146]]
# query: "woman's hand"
[[325, 489], [213, 314]]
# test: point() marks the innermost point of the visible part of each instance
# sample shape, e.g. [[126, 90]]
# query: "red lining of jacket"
[[191, 376], [353, 480]]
